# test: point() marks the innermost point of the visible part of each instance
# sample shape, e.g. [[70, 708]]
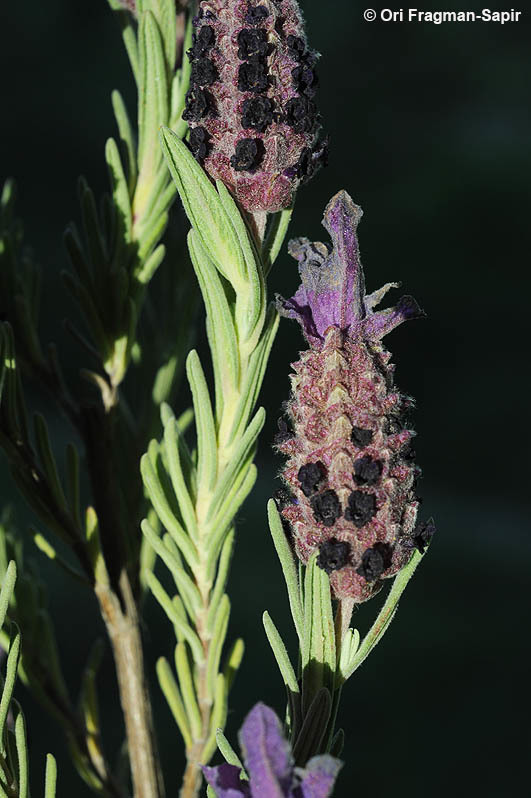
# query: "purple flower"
[[350, 465], [269, 765]]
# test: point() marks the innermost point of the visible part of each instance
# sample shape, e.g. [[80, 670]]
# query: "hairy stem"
[[121, 620]]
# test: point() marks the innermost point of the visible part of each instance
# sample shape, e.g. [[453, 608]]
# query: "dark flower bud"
[[361, 437], [252, 76], [247, 156], [204, 72], [361, 508], [333, 555], [305, 80], [203, 41], [310, 476], [423, 535], [199, 142], [252, 44], [367, 471], [256, 15], [326, 507], [301, 114], [374, 561], [257, 113], [296, 47], [198, 105]]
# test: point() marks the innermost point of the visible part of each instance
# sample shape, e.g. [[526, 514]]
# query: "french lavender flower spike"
[[270, 765], [253, 119], [350, 466]]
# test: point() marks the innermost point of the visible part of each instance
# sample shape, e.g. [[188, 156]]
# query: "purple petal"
[[225, 779], [267, 754], [379, 324], [319, 776]]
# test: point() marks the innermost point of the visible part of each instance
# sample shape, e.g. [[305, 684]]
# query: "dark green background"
[[430, 132]]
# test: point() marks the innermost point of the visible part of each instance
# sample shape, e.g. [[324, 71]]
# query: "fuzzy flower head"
[[350, 466], [251, 104], [269, 765]]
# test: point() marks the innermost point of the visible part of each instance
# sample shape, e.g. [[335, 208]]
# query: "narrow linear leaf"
[[219, 633], [183, 628], [280, 653], [206, 431], [11, 675], [126, 135], [228, 753], [171, 445], [164, 511], [47, 459], [313, 729], [51, 777], [186, 684], [221, 577], [168, 685], [275, 238], [153, 92], [289, 568], [22, 751], [238, 457], [204, 208], [120, 188], [8, 586], [232, 662]]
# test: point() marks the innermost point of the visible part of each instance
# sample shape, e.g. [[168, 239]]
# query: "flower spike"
[[349, 467]]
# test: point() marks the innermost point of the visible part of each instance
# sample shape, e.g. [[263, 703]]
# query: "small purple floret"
[[269, 764]]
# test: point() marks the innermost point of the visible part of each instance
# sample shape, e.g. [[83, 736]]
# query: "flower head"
[[251, 106], [350, 465], [269, 765]]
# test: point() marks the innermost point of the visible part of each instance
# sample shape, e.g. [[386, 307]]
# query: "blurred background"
[[430, 130]]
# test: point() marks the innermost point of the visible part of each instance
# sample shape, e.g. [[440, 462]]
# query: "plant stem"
[[121, 620]]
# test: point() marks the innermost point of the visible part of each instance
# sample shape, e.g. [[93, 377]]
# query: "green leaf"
[[8, 585], [289, 569], [206, 430], [169, 687], [11, 675], [224, 519], [228, 753], [126, 135], [51, 777], [254, 376], [181, 84], [218, 717], [224, 343], [22, 751], [161, 505], [165, 14], [280, 653], [120, 193], [232, 662], [221, 578], [153, 93], [219, 632], [171, 445], [250, 304], [204, 209], [187, 589], [242, 454], [186, 684], [49, 467], [313, 729], [184, 629], [275, 238]]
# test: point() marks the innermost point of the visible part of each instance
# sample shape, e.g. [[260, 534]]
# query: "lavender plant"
[[227, 119]]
